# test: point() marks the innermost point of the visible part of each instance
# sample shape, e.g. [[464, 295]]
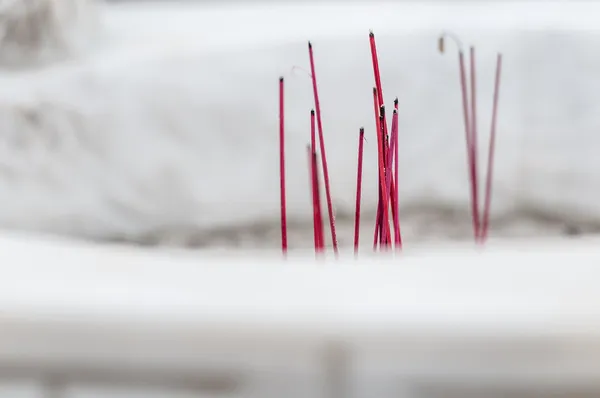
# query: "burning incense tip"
[[309, 44], [382, 110], [280, 78], [396, 101], [371, 34], [441, 44], [312, 112]]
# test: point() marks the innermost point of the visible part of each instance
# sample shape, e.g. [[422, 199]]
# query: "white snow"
[[166, 128], [516, 316]]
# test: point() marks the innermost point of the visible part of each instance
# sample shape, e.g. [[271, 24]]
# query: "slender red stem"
[[389, 182], [320, 231], [376, 73], [284, 244], [323, 155], [379, 210], [397, 213], [465, 103], [317, 218], [491, 152], [390, 178], [311, 172], [474, 165], [361, 139]]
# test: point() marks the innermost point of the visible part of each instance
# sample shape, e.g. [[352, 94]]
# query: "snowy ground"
[[165, 129], [519, 320]]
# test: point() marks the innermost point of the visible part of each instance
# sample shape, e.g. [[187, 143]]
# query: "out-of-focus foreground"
[[511, 322]]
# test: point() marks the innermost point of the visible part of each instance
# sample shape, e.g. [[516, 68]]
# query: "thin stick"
[[311, 179], [317, 218], [379, 201], [284, 244], [390, 178], [491, 152], [320, 231], [323, 155], [474, 165], [465, 104], [397, 213], [376, 73], [390, 186], [361, 138]]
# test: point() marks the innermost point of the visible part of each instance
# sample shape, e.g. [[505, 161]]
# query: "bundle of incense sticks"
[[480, 223], [387, 158]]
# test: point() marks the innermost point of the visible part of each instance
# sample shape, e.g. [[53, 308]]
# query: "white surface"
[[165, 130], [517, 286], [94, 318]]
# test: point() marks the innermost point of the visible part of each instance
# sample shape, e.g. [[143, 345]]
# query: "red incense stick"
[[317, 218], [474, 165], [361, 138], [491, 152], [311, 179], [379, 201], [376, 73], [284, 244], [320, 231], [323, 155], [390, 178], [397, 200]]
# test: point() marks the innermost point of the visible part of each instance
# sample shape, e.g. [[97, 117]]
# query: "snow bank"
[[519, 317]]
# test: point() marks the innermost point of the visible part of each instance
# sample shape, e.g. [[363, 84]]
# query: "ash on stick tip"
[[451, 36], [312, 112], [309, 44], [396, 101], [361, 130], [281, 78], [371, 34], [395, 111], [382, 110], [374, 90]]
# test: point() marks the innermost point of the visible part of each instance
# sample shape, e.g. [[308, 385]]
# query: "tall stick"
[[377, 74], [390, 179], [323, 155], [318, 203], [378, 215], [317, 218], [491, 152], [311, 180], [397, 204], [474, 148], [284, 244], [361, 138]]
